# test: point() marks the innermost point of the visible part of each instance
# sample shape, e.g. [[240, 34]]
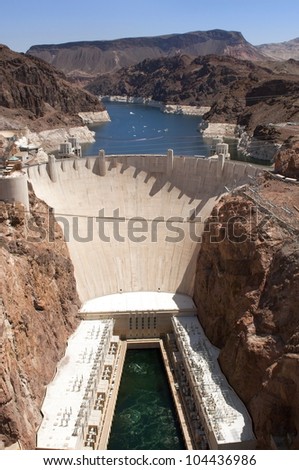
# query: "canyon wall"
[[246, 290], [37, 314], [33, 94]]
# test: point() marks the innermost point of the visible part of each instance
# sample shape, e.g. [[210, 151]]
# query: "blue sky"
[[27, 22]]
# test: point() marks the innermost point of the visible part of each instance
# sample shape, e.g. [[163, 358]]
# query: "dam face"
[[133, 223]]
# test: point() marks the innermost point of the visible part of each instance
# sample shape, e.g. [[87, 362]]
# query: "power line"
[[158, 219]]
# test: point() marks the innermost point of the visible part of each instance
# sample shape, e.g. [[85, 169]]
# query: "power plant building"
[[225, 419], [75, 400]]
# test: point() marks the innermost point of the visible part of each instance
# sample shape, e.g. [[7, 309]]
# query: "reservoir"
[[145, 417], [143, 129], [140, 129]]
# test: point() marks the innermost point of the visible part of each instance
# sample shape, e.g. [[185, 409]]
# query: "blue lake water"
[[143, 129]]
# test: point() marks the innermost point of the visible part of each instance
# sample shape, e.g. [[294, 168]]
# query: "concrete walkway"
[[177, 400], [110, 407]]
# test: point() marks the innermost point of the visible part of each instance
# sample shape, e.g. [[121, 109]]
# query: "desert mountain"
[[239, 91], [33, 93], [79, 59], [281, 51]]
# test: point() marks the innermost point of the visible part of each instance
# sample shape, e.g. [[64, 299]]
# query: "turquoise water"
[[145, 418], [143, 129]]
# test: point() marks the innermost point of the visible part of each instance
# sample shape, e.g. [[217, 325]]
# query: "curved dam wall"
[[133, 223]]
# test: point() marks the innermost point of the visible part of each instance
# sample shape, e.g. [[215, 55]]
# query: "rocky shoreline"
[[218, 129], [248, 147], [183, 109], [164, 108], [93, 117], [257, 149], [50, 139]]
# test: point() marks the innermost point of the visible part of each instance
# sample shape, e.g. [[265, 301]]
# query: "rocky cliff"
[[34, 94], [246, 290], [89, 58], [182, 79], [287, 159], [37, 314], [238, 91]]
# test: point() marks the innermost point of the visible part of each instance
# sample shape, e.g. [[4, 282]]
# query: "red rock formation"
[[246, 290], [287, 159], [37, 314]]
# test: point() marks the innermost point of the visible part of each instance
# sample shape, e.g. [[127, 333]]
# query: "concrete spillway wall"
[[133, 223]]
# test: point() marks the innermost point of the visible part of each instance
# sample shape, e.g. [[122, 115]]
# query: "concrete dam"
[[133, 225], [132, 222]]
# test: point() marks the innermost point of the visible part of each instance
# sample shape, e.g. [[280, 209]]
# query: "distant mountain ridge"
[[281, 50], [90, 58]]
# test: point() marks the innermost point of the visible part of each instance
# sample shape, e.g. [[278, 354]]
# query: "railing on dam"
[[203, 170]]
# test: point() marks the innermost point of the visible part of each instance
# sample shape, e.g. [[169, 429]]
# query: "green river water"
[[145, 417]]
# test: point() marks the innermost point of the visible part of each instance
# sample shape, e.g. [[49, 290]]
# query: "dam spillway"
[[133, 222]]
